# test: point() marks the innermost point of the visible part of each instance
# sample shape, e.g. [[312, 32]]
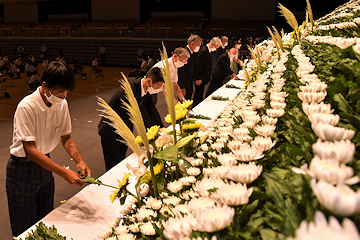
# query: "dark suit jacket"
[[186, 73], [215, 55], [148, 110], [222, 67], [203, 65]]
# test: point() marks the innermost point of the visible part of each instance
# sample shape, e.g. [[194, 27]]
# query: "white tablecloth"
[[89, 212]]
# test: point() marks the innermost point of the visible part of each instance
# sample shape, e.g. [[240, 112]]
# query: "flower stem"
[[131, 194], [153, 177]]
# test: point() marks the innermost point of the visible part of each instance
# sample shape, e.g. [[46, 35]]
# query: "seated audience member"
[[2, 66], [151, 61], [14, 69], [45, 63], [30, 69], [114, 150], [95, 67], [77, 66], [34, 82], [18, 64], [144, 67]]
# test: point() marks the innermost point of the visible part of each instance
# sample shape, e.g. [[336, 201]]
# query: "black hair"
[[155, 74], [58, 75]]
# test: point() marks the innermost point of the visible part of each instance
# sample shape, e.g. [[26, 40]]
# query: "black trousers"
[[198, 95], [114, 152], [213, 86], [30, 193]]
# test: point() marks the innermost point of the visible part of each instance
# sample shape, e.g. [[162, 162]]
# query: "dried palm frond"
[[290, 18], [246, 73], [279, 39], [273, 38], [310, 14], [255, 57], [134, 111], [282, 32], [169, 96], [120, 127]]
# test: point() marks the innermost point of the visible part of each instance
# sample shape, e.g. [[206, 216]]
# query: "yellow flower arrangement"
[[151, 134], [184, 105], [121, 184], [179, 113], [192, 126], [158, 168]]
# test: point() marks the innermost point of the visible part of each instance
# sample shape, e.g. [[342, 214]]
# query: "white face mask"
[[231, 56], [225, 44], [212, 49], [197, 48], [152, 90], [238, 46], [53, 99], [179, 64]]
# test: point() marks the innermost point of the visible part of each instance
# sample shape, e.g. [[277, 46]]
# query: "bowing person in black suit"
[[221, 71], [215, 55], [114, 151], [203, 68], [186, 73]]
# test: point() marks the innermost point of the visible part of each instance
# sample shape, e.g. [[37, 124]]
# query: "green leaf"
[[343, 104], [267, 234], [168, 154]]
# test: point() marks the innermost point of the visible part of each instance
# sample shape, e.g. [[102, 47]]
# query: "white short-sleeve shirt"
[[35, 121], [172, 68]]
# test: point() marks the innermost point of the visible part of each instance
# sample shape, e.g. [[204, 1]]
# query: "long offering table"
[[89, 212]]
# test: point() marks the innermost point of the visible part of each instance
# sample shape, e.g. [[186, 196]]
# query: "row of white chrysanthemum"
[[340, 42], [328, 168], [198, 212], [341, 12], [343, 25]]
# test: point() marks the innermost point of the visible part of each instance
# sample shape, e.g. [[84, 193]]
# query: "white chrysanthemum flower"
[[121, 229], [277, 105], [322, 229], [193, 171], [244, 173], [172, 200], [177, 228], [343, 151], [126, 209], [233, 194], [239, 132], [147, 229], [126, 236], [153, 203], [312, 97], [145, 213], [275, 113], [143, 190], [189, 194], [263, 143], [328, 170], [312, 108], [200, 155], [330, 133], [188, 180], [214, 219], [257, 103], [218, 146], [248, 154], [134, 228], [115, 222], [235, 144], [227, 159], [204, 147], [247, 124], [202, 186], [340, 200], [197, 204], [268, 120], [264, 130], [105, 234], [174, 186], [180, 210], [331, 119]]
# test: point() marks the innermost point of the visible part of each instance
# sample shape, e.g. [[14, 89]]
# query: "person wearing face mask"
[[176, 61], [221, 71], [203, 68], [114, 150], [186, 73], [215, 55], [41, 121]]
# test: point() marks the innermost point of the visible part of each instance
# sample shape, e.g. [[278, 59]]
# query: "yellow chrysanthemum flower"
[[179, 113], [152, 132], [146, 178], [121, 184], [184, 105], [158, 168], [138, 139], [192, 126]]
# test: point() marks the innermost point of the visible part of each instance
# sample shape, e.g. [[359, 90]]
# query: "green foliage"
[[43, 232]]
